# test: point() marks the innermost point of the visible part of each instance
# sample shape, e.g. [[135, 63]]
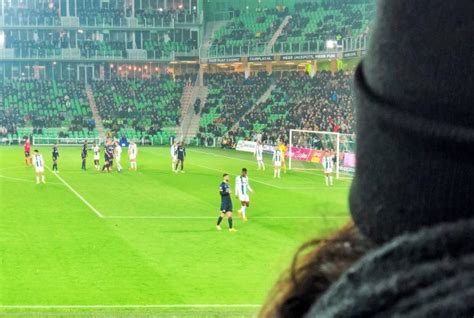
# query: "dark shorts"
[[27, 154], [226, 206]]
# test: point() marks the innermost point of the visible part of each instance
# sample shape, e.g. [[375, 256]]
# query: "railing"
[[282, 48], [358, 43], [103, 21], [85, 55], [166, 22], [30, 21], [278, 48]]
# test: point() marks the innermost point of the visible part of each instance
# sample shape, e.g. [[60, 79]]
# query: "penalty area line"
[[130, 306], [77, 194], [212, 218]]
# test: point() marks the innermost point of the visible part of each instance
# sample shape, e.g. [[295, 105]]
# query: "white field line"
[[269, 184], [77, 194], [246, 160], [212, 218], [129, 306], [253, 180], [26, 180]]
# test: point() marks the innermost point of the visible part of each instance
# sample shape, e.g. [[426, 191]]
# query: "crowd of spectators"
[[248, 29], [317, 21], [141, 106], [44, 13], [157, 17], [44, 104], [312, 23], [321, 103], [41, 43], [47, 13], [231, 96], [102, 16]]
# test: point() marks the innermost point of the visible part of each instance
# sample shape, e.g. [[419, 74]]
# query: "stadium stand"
[[311, 25], [230, 96], [44, 13], [139, 108], [101, 16], [315, 22], [45, 108], [321, 103], [247, 28]]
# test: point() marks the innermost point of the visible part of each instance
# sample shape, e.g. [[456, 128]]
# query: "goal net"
[[307, 149], [49, 141]]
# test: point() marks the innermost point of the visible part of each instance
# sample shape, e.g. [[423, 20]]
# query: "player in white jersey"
[[174, 155], [132, 155], [118, 156], [328, 164], [38, 163], [96, 150], [259, 155], [242, 189], [277, 162]]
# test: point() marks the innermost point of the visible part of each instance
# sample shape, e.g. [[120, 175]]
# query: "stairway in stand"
[[266, 95], [95, 112], [189, 119], [276, 35]]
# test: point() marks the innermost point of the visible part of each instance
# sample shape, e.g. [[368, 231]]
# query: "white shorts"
[[117, 159], [277, 164], [96, 157], [259, 158], [39, 169], [328, 170], [133, 158], [174, 158], [244, 198]]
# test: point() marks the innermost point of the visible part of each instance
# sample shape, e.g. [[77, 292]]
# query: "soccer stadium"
[[195, 158]]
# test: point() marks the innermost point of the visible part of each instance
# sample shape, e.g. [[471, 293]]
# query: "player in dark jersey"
[[226, 204], [181, 154], [55, 155], [84, 155], [108, 155]]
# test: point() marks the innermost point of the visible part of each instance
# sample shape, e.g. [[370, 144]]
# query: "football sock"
[[37, 179], [330, 180], [219, 220], [327, 180], [243, 211], [42, 178], [230, 222]]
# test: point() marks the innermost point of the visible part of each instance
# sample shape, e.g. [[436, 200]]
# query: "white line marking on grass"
[[26, 180], [316, 187], [130, 306], [77, 194], [319, 171], [253, 180], [212, 218], [217, 155]]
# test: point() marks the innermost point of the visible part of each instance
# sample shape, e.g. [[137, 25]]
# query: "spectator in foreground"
[[409, 251]]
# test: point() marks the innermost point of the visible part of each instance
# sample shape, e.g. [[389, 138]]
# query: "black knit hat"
[[415, 119]]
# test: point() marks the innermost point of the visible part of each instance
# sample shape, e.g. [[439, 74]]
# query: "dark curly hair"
[[316, 265]]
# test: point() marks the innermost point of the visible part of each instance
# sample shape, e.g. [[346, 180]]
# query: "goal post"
[[63, 141], [307, 148]]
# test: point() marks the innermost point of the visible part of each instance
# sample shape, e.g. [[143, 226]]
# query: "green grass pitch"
[[156, 249]]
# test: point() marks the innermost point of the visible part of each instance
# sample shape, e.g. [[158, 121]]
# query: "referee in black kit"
[[84, 155]]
